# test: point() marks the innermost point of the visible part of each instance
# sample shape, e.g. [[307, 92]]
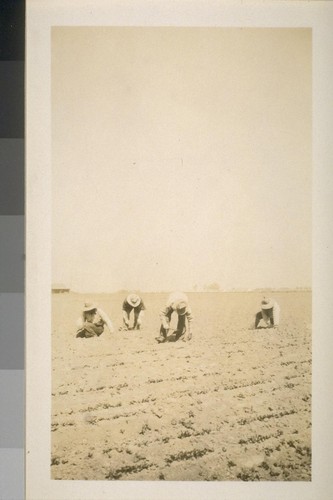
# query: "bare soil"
[[232, 404]]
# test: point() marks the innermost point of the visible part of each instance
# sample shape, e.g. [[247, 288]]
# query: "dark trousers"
[[90, 330], [259, 316], [181, 326], [136, 317]]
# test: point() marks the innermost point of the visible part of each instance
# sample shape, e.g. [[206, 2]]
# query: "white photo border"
[[41, 15]]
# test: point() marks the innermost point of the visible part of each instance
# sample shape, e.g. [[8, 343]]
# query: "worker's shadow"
[[268, 327], [175, 336]]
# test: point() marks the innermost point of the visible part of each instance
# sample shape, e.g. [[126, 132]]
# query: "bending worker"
[[177, 302], [270, 313], [91, 322], [133, 303]]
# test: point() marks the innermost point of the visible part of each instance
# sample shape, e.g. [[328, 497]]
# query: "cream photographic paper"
[[177, 148]]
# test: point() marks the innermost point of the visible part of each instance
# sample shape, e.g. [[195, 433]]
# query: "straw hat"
[[267, 304], [133, 300], [88, 306]]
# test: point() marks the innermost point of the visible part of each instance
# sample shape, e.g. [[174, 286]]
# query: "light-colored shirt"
[[100, 319], [172, 303]]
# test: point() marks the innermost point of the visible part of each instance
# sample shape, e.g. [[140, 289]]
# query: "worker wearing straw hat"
[[133, 303], [177, 302], [91, 322], [269, 313]]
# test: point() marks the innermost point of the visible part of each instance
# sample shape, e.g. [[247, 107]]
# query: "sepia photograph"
[[181, 254], [178, 300]]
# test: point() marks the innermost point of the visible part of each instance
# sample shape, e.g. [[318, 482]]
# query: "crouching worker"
[[92, 321], [178, 303], [133, 303], [270, 313]]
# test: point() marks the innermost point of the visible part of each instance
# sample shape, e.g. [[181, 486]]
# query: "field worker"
[[178, 303], [270, 313], [92, 321], [133, 303]]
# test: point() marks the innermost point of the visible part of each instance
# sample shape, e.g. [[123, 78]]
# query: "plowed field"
[[232, 404]]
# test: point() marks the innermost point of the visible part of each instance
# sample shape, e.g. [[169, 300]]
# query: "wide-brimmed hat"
[[267, 304], [181, 308], [88, 306], [133, 299]]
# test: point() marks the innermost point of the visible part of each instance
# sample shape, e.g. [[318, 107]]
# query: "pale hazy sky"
[[181, 157]]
